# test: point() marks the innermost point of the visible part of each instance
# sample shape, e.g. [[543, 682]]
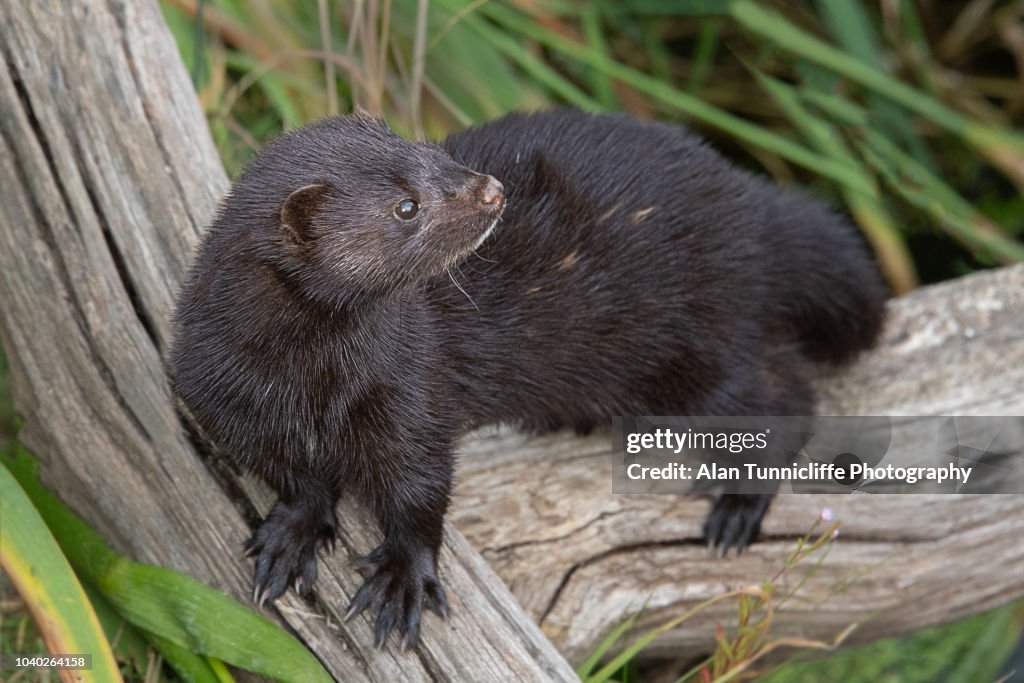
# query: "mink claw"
[[398, 587], [360, 602], [388, 620], [251, 547], [734, 522], [436, 600], [327, 543], [409, 636]]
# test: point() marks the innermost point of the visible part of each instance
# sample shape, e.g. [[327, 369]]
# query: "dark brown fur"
[[332, 348]]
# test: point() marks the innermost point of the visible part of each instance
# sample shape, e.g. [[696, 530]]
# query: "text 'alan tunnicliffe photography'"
[[813, 454]]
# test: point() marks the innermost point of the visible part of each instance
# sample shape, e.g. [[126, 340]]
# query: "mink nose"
[[493, 192]]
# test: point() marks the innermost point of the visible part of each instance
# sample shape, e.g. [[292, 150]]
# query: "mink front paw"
[[735, 520], [285, 547], [399, 584]]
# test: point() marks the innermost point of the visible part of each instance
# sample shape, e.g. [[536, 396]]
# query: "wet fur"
[[634, 271]]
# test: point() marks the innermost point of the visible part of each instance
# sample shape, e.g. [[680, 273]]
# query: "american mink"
[[349, 313]]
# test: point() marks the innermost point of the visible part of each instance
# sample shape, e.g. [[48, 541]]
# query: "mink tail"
[[835, 295]]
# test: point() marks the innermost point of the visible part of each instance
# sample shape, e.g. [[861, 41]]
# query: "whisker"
[[459, 287], [488, 260]]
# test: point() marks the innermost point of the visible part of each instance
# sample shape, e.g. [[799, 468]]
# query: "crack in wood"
[[611, 552], [556, 539], [762, 540]]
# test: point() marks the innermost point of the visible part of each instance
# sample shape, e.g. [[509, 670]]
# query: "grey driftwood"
[[108, 176]]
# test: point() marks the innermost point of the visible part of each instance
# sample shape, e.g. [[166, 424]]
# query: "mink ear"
[[299, 210]]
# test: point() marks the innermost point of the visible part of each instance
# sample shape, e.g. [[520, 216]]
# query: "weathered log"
[[578, 557], [108, 176]]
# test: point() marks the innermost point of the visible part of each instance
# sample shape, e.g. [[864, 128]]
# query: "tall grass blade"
[[703, 54], [43, 578], [687, 104], [166, 603], [606, 644], [593, 33], [850, 24], [534, 67], [929, 193], [690, 8], [1004, 148]]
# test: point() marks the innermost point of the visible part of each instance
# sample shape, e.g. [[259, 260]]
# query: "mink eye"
[[407, 209]]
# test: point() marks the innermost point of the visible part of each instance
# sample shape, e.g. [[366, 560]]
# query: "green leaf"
[[703, 54], [128, 644], [473, 72], [168, 604], [593, 32], [200, 619], [43, 578], [606, 644], [850, 25], [189, 666], [533, 66], [132, 647], [690, 8], [778, 30]]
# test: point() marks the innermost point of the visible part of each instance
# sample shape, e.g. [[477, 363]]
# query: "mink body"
[[335, 347]]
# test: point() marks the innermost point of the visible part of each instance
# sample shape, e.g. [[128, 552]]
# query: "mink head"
[[345, 208]]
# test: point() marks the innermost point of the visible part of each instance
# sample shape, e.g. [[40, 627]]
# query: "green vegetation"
[[967, 651], [194, 627], [907, 118], [739, 650]]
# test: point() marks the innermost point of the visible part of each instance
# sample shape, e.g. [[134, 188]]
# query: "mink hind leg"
[[286, 545], [779, 388], [400, 575]]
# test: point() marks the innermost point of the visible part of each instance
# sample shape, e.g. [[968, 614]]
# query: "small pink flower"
[[835, 534], [825, 515]]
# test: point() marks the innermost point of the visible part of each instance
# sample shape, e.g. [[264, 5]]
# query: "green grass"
[[945, 98], [967, 651]]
